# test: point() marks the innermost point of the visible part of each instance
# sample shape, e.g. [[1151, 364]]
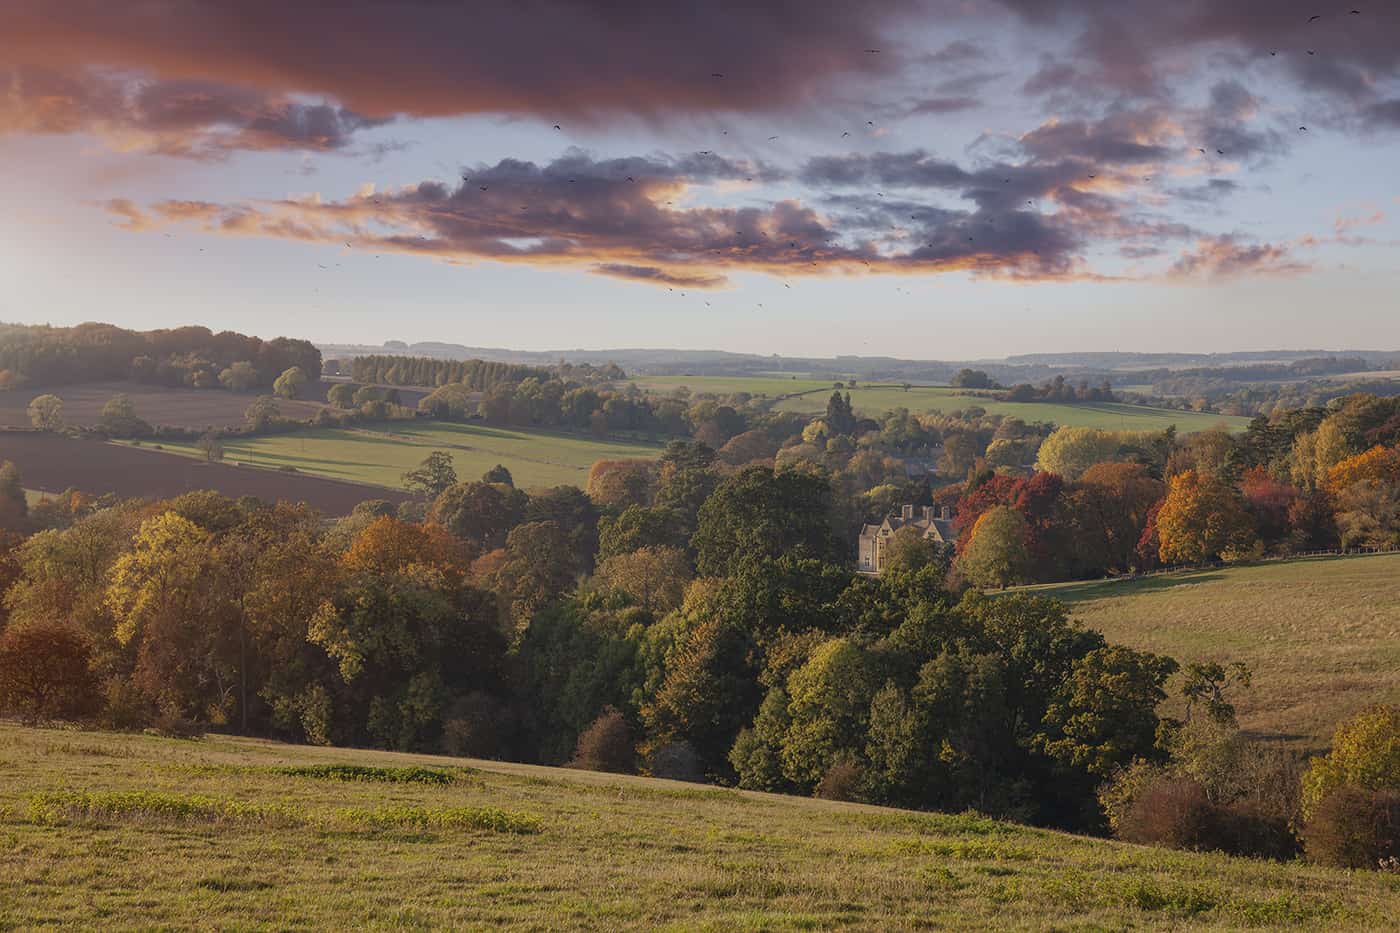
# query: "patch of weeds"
[[493, 819], [408, 775], [51, 808], [229, 885], [942, 878], [1282, 910], [977, 850], [90, 751], [1179, 899]]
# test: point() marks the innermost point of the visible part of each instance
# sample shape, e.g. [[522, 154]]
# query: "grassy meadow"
[[1322, 636], [380, 454], [130, 831]]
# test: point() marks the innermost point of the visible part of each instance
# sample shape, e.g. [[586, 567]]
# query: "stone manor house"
[[930, 523]]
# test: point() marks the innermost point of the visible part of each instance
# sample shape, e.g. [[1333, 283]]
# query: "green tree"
[[1365, 753], [482, 513], [996, 554], [637, 527], [498, 474], [758, 513], [829, 701], [434, 475], [118, 418], [46, 413], [241, 376], [261, 412], [342, 395], [1069, 451], [290, 384], [14, 507]]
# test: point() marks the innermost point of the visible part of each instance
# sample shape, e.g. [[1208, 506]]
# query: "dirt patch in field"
[[53, 463], [160, 406]]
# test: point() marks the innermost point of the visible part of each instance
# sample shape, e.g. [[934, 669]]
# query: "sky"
[[931, 179]]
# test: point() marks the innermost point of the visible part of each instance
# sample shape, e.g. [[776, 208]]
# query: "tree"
[[971, 379], [1378, 465], [433, 476], [14, 507], [616, 484], [996, 554], [242, 376], [757, 513], [261, 412], [482, 513], [638, 527], [290, 384], [212, 446], [342, 395], [1070, 451], [1365, 753], [45, 672], [119, 419], [653, 576], [498, 474], [1202, 519], [1109, 508], [46, 413]]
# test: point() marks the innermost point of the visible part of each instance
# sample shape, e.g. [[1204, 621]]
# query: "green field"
[[1322, 636], [127, 832], [382, 453], [878, 399]]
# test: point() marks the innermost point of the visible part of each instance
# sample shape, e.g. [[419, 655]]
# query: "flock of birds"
[[793, 244]]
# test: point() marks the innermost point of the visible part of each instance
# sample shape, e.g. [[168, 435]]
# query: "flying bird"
[[556, 126], [771, 138], [1302, 129], [716, 74], [1311, 52], [1314, 18], [844, 135], [630, 178], [483, 187], [1220, 151], [872, 51]]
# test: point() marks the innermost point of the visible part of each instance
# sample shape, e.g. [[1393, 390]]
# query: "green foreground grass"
[[380, 454], [136, 831], [1322, 635]]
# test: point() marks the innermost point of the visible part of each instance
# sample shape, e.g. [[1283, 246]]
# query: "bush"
[[606, 745], [1353, 827], [842, 781], [45, 673], [1176, 812], [1365, 753]]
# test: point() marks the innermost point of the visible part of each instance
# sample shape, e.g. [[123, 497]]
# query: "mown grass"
[[1322, 636], [380, 454], [601, 852]]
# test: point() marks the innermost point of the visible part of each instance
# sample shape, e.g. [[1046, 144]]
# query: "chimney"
[[947, 513], [907, 513], [928, 513]]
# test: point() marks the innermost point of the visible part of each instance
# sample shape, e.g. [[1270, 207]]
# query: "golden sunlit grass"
[[1322, 636], [136, 831]]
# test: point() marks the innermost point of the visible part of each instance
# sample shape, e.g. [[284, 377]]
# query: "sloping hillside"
[[131, 831]]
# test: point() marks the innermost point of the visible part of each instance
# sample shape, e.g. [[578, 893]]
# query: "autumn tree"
[[342, 395], [1202, 519], [758, 513], [46, 413], [617, 484], [653, 576], [261, 412], [1070, 451], [118, 418], [1109, 508], [498, 474], [482, 513]]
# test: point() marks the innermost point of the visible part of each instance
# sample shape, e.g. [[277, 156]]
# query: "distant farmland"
[[158, 405], [880, 398], [382, 454], [53, 463], [1322, 636]]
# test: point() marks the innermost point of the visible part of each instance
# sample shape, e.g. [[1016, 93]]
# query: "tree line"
[[184, 356]]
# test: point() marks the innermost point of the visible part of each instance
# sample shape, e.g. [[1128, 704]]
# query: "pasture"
[[382, 453], [177, 408], [1322, 636], [133, 831], [876, 399]]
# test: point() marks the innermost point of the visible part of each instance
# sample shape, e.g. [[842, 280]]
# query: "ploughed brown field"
[[158, 405], [53, 463]]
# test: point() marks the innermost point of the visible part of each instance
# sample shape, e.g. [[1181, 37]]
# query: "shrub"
[[1353, 827], [606, 745], [842, 781], [1176, 812]]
